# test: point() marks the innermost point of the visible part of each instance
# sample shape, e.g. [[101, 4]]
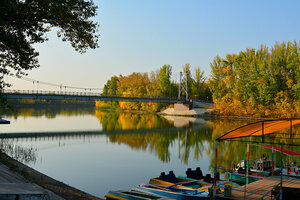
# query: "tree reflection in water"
[[22, 154], [154, 134]]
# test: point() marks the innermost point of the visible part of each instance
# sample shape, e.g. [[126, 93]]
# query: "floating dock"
[[259, 189]]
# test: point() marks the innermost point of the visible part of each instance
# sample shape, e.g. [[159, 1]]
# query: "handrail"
[[270, 191], [277, 195], [87, 93]]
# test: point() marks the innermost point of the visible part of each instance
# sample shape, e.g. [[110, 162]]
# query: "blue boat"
[[220, 184], [173, 192]]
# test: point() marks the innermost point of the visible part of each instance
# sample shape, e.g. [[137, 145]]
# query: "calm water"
[[99, 151]]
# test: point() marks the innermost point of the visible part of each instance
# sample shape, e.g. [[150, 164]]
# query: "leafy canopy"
[[25, 22]]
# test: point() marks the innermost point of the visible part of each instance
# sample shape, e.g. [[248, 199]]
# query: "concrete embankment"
[[18, 181], [193, 112]]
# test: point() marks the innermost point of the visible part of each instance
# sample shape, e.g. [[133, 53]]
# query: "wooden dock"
[[258, 189]]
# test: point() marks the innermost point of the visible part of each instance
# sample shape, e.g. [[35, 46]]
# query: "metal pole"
[[186, 87], [272, 155], [179, 89], [256, 157], [247, 170], [281, 173], [215, 172], [262, 131]]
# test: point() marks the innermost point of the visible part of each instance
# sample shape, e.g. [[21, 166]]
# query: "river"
[[97, 151]]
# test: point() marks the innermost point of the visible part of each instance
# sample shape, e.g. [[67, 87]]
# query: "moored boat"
[[170, 180], [133, 195], [173, 192], [220, 184]]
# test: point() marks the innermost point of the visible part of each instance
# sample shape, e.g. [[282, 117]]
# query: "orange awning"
[[260, 128]]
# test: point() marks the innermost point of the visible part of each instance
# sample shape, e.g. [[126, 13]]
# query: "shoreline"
[[32, 176], [207, 114]]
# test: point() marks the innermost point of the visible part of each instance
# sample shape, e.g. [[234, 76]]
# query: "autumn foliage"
[[157, 84], [262, 82]]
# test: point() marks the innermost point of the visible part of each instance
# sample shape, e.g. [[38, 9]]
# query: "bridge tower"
[[185, 88]]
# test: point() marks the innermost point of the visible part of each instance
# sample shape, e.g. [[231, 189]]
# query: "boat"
[[220, 184], [240, 178], [290, 170], [133, 195], [264, 168], [172, 192], [170, 180]]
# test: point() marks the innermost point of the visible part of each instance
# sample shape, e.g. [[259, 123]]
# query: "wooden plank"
[[257, 189]]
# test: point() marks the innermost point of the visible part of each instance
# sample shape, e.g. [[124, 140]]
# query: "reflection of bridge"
[[87, 96], [89, 133]]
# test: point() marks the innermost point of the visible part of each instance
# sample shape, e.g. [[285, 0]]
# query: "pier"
[[262, 189]]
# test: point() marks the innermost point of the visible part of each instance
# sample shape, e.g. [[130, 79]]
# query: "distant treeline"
[[262, 82], [155, 84]]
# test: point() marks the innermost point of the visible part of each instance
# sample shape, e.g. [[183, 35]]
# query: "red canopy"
[[285, 151], [260, 128]]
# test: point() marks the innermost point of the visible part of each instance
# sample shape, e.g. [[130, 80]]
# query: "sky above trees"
[[141, 36]]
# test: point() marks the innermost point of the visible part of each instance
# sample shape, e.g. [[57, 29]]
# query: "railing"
[[88, 93], [45, 92], [270, 191]]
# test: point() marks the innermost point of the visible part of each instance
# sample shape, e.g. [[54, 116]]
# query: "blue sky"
[[143, 35]]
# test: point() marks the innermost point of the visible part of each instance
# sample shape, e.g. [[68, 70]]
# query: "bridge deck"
[[56, 95]]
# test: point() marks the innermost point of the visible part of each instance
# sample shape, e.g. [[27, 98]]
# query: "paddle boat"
[[196, 175], [133, 195], [172, 192], [171, 181]]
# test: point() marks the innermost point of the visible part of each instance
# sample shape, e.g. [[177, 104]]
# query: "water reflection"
[[130, 121], [138, 145], [26, 155], [48, 111]]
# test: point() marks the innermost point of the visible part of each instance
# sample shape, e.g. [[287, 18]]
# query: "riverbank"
[[20, 173]]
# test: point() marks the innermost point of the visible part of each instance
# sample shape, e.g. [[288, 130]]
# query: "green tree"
[[111, 87], [25, 22], [164, 81], [259, 82], [198, 87], [152, 86]]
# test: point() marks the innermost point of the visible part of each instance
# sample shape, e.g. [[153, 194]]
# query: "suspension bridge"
[[65, 92], [87, 96]]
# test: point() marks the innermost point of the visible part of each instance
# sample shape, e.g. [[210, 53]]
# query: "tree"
[[258, 82], [25, 22], [111, 87], [164, 80], [198, 84]]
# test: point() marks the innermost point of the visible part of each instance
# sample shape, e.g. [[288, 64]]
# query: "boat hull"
[[183, 184], [197, 195], [133, 195]]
